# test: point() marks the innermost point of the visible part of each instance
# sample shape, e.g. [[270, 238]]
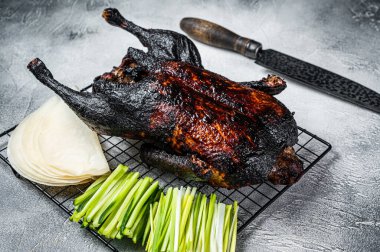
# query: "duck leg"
[[163, 45], [93, 109], [179, 165], [186, 167]]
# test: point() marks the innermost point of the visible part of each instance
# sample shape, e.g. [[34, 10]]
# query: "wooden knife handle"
[[218, 36]]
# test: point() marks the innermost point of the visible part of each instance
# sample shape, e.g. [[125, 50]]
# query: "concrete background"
[[336, 206]]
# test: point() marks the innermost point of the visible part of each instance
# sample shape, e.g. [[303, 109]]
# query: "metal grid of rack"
[[252, 199]]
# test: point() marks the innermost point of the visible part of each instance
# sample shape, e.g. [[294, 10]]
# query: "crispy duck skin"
[[195, 123]]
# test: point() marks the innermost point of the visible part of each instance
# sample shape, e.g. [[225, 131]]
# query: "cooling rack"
[[252, 199]]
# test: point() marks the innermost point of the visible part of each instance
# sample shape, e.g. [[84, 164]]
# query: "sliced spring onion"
[[121, 204], [104, 188], [90, 190]]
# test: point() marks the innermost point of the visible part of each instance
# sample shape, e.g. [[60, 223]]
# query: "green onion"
[[118, 206], [226, 228], [127, 204], [201, 225], [93, 203], [152, 213], [90, 190], [233, 230], [141, 201], [210, 216], [121, 204], [103, 189], [220, 226], [111, 200]]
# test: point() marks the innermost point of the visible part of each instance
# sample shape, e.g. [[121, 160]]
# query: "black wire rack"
[[252, 199]]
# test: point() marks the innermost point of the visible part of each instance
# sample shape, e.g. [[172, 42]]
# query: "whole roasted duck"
[[195, 123]]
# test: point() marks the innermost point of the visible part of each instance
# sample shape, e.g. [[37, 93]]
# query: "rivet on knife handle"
[[218, 36]]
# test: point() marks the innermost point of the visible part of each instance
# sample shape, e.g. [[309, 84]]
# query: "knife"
[[311, 75]]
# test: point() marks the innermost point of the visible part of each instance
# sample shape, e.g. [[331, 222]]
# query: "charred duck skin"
[[195, 123]]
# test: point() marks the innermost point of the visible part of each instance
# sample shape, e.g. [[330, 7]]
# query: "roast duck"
[[195, 123]]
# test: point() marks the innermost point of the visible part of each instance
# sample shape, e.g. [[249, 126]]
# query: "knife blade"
[[301, 71]]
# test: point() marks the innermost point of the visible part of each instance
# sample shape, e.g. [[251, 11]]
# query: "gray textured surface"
[[336, 206]]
